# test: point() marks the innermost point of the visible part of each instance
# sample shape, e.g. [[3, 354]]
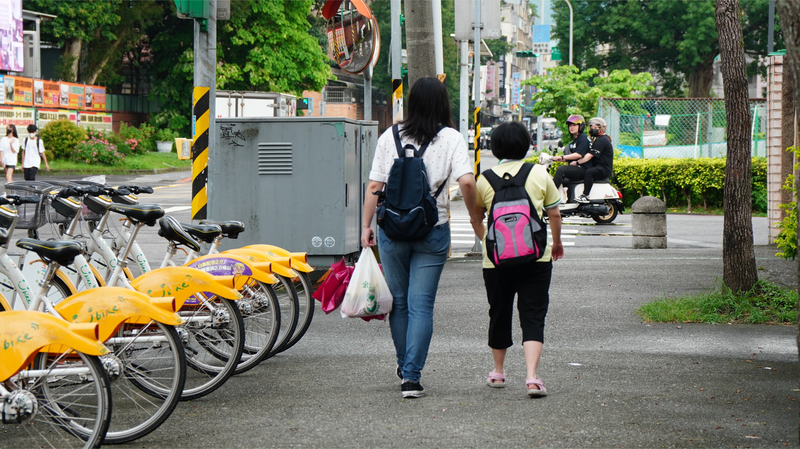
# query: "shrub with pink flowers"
[[96, 149]]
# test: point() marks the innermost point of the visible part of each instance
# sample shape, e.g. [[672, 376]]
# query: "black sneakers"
[[412, 389], [399, 373], [582, 199]]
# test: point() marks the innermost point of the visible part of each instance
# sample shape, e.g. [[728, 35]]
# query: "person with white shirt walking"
[[33, 153], [9, 146]]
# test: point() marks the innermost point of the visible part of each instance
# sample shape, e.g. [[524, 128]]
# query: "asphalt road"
[[613, 380]]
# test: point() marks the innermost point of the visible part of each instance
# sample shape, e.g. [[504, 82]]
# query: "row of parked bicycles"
[[98, 347]]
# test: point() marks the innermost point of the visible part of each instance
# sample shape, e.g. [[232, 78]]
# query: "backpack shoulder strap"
[[397, 143], [493, 178], [524, 171]]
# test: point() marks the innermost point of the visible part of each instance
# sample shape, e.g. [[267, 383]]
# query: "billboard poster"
[[11, 41], [95, 98], [46, 93], [45, 116], [515, 94], [74, 95], [491, 77], [95, 120], [18, 90], [19, 117]]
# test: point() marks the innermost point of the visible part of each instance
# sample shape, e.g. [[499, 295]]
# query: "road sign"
[[465, 16], [555, 54], [541, 39]]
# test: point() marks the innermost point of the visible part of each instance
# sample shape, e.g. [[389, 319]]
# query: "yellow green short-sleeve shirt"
[[540, 187]]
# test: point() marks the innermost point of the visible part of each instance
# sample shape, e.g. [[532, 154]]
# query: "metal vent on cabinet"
[[275, 158]]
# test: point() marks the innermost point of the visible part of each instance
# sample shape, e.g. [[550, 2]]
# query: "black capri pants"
[[531, 284]]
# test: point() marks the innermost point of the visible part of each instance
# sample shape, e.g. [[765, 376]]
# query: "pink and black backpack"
[[517, 234]]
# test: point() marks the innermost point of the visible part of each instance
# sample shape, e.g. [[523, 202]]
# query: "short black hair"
[[32, 128], [510, 140]]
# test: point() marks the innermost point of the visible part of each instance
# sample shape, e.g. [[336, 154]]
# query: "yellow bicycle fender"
[[4, 304], [100, 281], [61, 275], [110, 306], [231, 264], [24, 333], [181, 283], [280, 265], [299, 260]]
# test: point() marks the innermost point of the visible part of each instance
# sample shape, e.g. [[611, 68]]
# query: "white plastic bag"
[[368, 293]]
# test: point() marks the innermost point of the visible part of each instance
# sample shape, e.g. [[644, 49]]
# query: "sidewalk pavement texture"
[[613, 381]]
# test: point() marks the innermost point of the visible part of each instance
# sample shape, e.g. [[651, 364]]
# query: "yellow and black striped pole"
[[477, 142], [200, 115], [397, 100]]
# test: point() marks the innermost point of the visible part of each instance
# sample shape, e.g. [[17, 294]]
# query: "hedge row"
[[683, 182]]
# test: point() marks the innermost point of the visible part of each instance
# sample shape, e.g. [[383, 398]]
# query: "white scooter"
[[605, 201]]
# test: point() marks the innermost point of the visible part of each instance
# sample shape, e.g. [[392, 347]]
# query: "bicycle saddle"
[[204, 232], [230, 229], [170, 229], [142, 213], [62, 252]]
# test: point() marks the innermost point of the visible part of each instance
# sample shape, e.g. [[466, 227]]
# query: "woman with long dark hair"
[[413, 268], [9, 145]]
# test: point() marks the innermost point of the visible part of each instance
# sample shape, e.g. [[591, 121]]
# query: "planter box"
[[164, 147]]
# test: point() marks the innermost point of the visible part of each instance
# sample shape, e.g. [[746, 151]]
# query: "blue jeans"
[[412, 271]]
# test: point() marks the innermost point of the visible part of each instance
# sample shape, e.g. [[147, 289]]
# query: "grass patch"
[[766, 303], [147, 161], [706, 211]]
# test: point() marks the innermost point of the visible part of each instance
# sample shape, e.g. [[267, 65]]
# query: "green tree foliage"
[[787, 237], [675, 39], [266, 46], [569, 91], [77, 24]]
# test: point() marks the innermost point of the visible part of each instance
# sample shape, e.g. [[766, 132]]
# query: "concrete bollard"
[[649, 223]]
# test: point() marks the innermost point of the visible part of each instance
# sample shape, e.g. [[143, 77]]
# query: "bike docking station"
[[296, 182]]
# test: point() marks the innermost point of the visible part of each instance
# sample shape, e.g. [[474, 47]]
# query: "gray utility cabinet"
[[295, 182]]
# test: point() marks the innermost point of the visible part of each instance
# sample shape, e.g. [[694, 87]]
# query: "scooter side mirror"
[[560, 144]]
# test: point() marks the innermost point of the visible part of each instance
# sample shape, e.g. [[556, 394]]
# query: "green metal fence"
[[131, 103], [676, 127]]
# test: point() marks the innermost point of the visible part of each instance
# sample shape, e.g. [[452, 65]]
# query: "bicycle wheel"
[[152, 377], [214, 334], [73, 402], [290, 312], [262, 322], [302, 284]]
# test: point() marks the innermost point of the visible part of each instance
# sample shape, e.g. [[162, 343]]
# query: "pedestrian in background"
[[9, 145], [530, 281], [33, 153], [413, 268]]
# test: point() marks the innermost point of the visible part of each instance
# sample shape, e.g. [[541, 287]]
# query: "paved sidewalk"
[[613, 380]]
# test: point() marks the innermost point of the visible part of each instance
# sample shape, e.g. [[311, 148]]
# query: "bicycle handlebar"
[[137, 189], [18, 200]]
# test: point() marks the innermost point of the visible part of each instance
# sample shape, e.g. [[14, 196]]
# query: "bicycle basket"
[[31, 216]]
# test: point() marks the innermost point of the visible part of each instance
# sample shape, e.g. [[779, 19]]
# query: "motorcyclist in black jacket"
[[601, 153]]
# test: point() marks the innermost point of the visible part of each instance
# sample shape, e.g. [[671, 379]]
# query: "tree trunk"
[[419, 40], [787, 132], [102, 64], [700, 81], [72, 50], [738, 257], [789, 13]]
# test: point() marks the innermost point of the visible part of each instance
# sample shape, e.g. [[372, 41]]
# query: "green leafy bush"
[[60, 138], [139, 140], [787, 237], [165, 135], [681, 182], [98, 151]]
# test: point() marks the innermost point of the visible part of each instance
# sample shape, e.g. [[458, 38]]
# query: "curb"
[[112, 172]]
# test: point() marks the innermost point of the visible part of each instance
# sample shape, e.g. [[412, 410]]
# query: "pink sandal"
[[493, 376], [537, 392]]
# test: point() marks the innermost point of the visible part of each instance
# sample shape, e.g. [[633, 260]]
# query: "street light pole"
[[570, 31]]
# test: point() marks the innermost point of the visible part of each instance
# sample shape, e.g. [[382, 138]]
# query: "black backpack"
[[406, 209], [516, 233]]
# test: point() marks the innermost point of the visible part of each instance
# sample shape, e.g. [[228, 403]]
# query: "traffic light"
[[194, 9], [526, 54]]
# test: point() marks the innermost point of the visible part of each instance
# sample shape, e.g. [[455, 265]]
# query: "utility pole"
[[476, 95], [419, 40], [397, 63]]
